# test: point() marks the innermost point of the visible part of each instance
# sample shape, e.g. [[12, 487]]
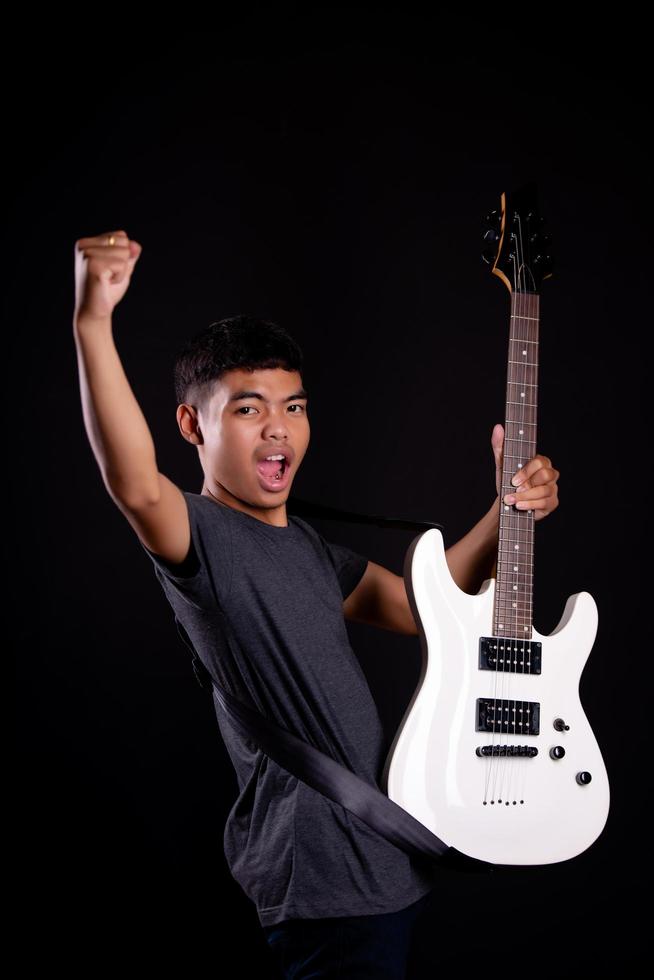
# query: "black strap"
[[306, 508], [333, 780], [315, 768]]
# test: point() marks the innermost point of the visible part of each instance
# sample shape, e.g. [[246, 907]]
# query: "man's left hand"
[[537, 489]]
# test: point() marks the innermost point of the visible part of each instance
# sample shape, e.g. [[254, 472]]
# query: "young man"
[[264, 598]]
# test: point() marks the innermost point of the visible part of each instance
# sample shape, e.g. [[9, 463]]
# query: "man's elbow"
[[411, 628], [406, 620]]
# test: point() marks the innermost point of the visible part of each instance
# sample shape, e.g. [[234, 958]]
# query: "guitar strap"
[[315, 768]]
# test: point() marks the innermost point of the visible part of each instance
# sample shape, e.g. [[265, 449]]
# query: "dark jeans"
[[354, 946]]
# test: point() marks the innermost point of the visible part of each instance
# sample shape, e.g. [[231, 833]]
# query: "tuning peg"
[[543, 260], [489, 254]]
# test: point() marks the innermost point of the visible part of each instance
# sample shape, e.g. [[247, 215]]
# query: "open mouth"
[[273, 470]]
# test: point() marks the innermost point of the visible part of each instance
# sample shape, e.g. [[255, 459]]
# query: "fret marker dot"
[[524, 353], [522, 394], [515, 568], [514, 604], [516, 547], [521, 431], [515, 588]]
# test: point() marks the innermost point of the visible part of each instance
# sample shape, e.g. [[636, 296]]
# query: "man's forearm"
[[473, 558], [115, 425]]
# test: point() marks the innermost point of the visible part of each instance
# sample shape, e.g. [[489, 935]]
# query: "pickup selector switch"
[[560, 725]]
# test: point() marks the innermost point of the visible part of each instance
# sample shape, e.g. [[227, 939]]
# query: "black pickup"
[[508, 715], [510, 655]]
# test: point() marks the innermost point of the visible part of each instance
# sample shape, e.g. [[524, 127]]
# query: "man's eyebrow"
[[257, 394]]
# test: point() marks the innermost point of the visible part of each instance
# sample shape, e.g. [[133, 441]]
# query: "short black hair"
[[240, 341]]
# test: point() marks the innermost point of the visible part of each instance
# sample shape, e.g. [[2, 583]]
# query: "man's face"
[[254, 414]]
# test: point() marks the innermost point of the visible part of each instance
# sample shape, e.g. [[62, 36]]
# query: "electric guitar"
[[495, 754]]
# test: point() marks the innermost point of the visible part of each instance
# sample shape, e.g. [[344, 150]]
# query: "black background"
[[329, 169]]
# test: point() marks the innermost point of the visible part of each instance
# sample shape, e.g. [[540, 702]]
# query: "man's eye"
[[247, 408]]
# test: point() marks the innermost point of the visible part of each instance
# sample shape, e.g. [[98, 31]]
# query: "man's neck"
[[276, 516]]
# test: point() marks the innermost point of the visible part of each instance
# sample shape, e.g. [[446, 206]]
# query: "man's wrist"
[[493, 514], [83, 321]]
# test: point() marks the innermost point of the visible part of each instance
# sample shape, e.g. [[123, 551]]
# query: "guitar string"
[[501, 761], [494, 769], [517, 519], [509, 620], [509, 726], [523, 522], [523, 308], [500, 768], [533, 333]]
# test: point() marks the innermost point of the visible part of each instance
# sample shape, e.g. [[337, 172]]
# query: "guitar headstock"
[[517, 247]]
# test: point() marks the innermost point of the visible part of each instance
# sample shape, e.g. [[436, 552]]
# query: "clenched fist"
[[103, 272]]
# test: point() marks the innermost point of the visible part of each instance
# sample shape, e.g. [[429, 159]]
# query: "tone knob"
[[560, 725], [583, 778], [557, 752]]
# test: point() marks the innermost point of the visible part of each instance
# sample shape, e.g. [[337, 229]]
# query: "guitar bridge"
[[509, 655], [525, 750]]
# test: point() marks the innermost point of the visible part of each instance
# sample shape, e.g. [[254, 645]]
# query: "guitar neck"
[[512, 613]]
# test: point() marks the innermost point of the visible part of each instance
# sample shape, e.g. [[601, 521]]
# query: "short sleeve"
[[206, 569], [349, 565]]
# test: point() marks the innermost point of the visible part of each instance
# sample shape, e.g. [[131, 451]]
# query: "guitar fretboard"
[[512, 613]]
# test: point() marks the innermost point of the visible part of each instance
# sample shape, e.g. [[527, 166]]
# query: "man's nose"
[[276, 428]]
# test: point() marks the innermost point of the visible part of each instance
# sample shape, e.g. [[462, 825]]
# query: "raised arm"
[[116, 428]]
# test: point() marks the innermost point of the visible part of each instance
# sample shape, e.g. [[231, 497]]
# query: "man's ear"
[[189, 424]]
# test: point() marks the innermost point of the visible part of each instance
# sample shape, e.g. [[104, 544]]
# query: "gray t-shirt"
[[294, 852]]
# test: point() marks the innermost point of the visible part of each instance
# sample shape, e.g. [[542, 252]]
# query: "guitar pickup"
[[506, 715], [512, 656]]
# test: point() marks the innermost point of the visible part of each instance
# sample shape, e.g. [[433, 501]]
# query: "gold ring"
[[112, 240]]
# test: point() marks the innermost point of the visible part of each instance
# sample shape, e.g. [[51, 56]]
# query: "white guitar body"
[[500, 808]]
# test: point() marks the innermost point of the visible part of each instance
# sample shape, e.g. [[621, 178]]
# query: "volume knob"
[[557, 752], [583, 778]]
